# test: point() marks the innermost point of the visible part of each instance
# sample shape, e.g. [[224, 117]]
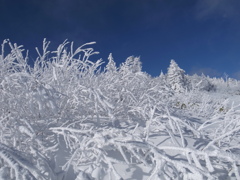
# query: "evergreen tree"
[[176, 78], [132, 64], [111, 66], [162, 76]]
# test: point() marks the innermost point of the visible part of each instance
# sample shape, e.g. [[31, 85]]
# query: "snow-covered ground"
[[68, 118]]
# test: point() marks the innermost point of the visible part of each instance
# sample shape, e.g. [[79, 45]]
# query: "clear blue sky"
[[201, 35]]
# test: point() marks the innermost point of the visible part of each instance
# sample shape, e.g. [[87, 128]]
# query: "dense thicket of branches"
[[65, 118]]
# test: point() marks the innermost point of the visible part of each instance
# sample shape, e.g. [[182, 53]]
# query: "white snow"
[[65, 119]]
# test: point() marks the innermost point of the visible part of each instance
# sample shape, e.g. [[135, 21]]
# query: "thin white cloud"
[[222, 8]]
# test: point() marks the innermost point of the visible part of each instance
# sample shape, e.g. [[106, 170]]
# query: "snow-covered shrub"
[[64, 118], [202, 83]]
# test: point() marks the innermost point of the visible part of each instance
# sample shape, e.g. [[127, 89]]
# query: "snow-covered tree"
[[202, 83], [111, 66], [162, 76], [132, 64], [176, 78]]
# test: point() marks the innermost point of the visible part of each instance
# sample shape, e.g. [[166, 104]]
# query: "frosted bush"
[[69, 117]]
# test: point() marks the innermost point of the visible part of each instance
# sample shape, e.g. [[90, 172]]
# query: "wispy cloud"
[[223, 8]]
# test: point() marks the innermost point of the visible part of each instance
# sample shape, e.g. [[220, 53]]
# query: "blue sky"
[[200, 35]]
